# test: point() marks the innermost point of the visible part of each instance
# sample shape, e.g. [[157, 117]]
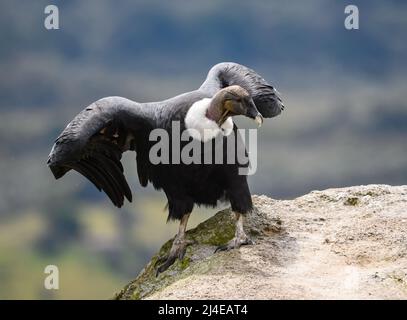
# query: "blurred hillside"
[[345, 122]]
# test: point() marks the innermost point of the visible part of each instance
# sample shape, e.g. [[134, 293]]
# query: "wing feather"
[[88, 174], [105, 181], [266, 98], [116, 169], [93, 142]]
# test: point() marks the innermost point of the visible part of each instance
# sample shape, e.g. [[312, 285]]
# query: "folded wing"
[[265, 96]]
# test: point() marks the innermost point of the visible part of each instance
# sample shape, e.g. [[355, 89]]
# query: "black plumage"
[[93, 142]]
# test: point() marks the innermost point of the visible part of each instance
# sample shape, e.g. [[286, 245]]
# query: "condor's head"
[[233, 101]]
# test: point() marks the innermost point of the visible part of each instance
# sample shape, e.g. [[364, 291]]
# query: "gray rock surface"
[[347, 243]]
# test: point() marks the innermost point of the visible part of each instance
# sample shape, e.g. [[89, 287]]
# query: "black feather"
[[115, 168], [265, 97], [114, 175], [88, 174], [93, 143], [104, 181]]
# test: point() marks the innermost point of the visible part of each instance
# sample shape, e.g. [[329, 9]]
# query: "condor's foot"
[[178, 249], [240, 238], [235, 243]]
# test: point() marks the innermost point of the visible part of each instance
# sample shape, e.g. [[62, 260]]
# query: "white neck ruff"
[[202, 128]]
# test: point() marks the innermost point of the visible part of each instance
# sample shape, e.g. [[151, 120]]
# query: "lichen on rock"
[[200, 256]]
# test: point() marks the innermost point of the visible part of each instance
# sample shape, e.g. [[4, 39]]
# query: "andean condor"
[[93, 143]]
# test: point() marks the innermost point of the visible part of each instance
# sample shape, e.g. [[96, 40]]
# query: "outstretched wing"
[[264, 95], [93, 143]]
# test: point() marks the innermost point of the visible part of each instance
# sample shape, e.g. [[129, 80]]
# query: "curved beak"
[[254, 114]]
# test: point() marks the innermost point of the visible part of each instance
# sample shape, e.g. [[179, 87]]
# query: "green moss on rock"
[[199, 257], [215, 231], [352, 201]]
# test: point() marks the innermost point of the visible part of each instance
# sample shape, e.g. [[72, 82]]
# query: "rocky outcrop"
[[334, 244]]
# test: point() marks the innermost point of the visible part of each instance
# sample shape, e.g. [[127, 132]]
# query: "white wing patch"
[[202, 128]]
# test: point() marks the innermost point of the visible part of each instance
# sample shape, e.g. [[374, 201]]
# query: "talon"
[[235, 243], [250, 242], [221, 248], [182, 254], [160, 260], [170, 260], [177, 252], [240, 238]]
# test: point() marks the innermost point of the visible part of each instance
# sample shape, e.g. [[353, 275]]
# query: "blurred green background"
[[345, 122]]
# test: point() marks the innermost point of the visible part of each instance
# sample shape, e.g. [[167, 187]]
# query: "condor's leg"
[[240, 237], [178, 248], [241, 202]]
